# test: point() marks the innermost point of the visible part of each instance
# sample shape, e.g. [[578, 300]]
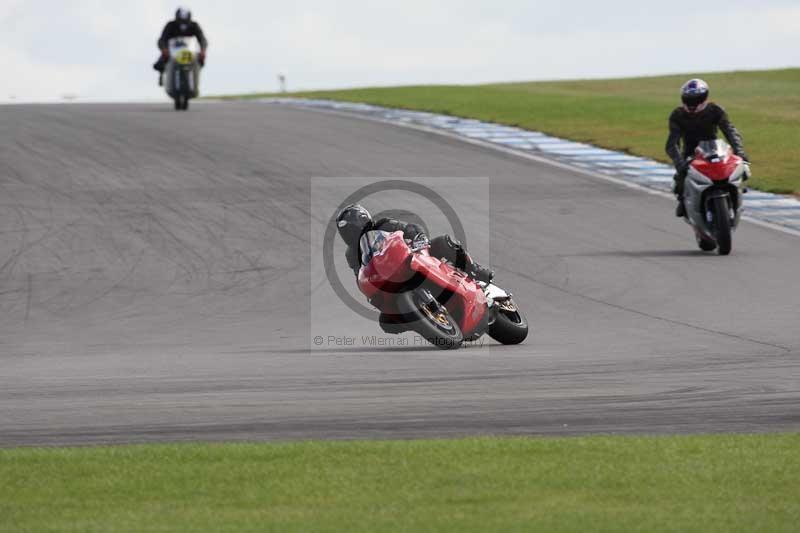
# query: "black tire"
[[722, 225], [510, 326], [181, 102], [419, 314], [706, 245]]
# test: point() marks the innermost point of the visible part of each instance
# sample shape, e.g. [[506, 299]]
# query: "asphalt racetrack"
[[154, 286]]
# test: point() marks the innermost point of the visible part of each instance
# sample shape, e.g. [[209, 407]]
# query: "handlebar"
[[419, 247]]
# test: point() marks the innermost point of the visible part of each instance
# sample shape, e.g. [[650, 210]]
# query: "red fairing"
[[717, 171], [395, 265], [387, 268], [469, 303]]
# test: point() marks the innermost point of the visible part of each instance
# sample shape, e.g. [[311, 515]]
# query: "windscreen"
[[372, 243], [713, 151], [180, 43]]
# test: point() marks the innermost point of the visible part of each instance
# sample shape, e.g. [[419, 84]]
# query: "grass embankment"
[[624, 114], [696, 483]]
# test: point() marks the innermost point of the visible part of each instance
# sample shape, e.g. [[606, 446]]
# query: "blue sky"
[[104, 49]]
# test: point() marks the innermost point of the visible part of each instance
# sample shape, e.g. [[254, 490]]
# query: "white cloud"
[[26, 79], [104, 48]]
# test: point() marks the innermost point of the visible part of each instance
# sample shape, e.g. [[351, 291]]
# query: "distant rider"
[[182, 26], [353, 221], [695, 121]]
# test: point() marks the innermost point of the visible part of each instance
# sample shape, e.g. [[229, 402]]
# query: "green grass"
[[625, 114], [651, 484]]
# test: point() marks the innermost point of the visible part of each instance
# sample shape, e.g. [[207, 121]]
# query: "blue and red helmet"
[[694, 95]]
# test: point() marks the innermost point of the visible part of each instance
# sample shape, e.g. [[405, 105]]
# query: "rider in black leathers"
[[182, 26], [353, 221], [695, 121]]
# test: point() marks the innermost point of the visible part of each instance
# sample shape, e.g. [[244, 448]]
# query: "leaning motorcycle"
[[418, 292], [713, 195], [182, 72]]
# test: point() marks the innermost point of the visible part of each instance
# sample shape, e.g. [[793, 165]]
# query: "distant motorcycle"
[[182, 72], [713, 195], [418, 292]]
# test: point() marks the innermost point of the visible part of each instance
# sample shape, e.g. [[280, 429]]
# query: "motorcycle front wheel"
[[722, 225], [181, 102], [430, 319]]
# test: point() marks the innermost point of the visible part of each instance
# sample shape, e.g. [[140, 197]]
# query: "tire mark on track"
[[784, 349], [28, 297]]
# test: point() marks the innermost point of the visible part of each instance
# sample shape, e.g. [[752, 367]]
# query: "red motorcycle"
[[418, 292], [713, 195]]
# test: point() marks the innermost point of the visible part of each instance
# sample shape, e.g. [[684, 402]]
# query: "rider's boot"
[[480, 273], [677, 190], [159, 66], [445, 247], [680, 209]]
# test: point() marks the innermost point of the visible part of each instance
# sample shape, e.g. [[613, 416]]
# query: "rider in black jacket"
[[353, 221], [695, 121], [182, 26]]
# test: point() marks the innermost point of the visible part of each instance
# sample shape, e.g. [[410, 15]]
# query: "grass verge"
[[692, 483], [624, 114]]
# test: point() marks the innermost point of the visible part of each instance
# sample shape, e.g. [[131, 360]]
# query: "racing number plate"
[[184, 57]]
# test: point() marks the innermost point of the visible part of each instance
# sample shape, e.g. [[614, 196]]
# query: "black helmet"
[[694, 94], [352, 221], [183, 14]]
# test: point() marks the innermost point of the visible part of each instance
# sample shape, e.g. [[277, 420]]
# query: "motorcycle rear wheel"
[[510, 325], [430, 320]]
